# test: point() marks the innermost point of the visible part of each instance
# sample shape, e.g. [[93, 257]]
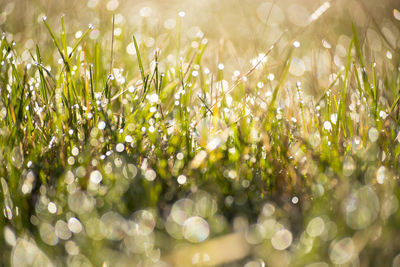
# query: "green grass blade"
[[79, 41], [139, 59]]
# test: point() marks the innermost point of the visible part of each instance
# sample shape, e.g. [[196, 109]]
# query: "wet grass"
[[107, 165]]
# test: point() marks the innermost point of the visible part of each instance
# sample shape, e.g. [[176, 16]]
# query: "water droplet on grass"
[[8, 213], [326, 44], [75, 151], [128, 139], [282, 239], [150, 175], [361, 208], [381, 175], [96, 177], [383, 114], [52, 208], [154, 98], [101, 125], [62, 231], [181, 210], [316, 227], [180, 156], [396, 14], [47, 234], [195, 229], [112, 5], [342, 251], [328, 126], [268, 210], [334, 118], [144, 222], [271, 76], [9, 236], [120, 147], [181, 179], [78, 34], [349, 166], [373, 134], [145, 12], [74, 225]]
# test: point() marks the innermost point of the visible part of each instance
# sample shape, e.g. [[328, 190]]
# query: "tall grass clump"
[[144, 147]]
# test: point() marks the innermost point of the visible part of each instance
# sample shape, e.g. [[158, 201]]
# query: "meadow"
[[200, 133]]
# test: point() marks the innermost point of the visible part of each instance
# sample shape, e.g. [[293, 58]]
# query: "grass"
[[164, 161]]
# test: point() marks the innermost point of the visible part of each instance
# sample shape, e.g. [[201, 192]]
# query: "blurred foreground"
[[226, 133]]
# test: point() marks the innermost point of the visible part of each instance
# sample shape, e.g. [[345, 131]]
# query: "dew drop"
[[361, 208], [342, 251], [349, 166], [373, 134], [328, 126], [128, 139], [78, 34], [9, 236], [150, 175], [396, 14], [195, 229], [8, 213], [120, 147], [75, 151], [326, 44], [101, 125], [181, 179], [52, 208], [268, 210], [383, 114], [315, 227], [145, 12], [282, 239], [74, 225], [96, 177], [271, 76], [112, 5], [381, 175], [62, 231], [47, 234], [144, 222]]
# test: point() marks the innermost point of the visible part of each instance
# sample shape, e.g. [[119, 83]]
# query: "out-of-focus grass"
[[260, 133]]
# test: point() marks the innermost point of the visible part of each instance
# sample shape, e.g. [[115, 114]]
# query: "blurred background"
[[237, 31]]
